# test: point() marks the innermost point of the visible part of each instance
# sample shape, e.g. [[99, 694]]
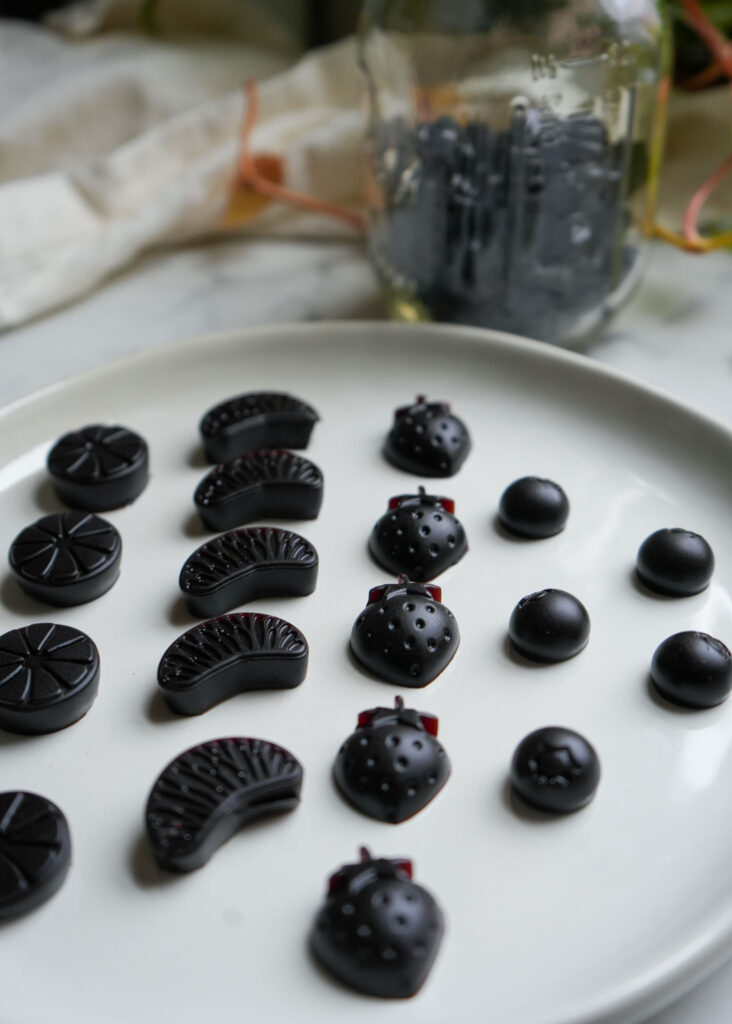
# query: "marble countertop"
[[675, 335]]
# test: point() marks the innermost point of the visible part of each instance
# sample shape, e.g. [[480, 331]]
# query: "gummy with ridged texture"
[[49, 677], [203, 797], [35, 852], [98, 468], [263, 484], [377, 931], [68, 558], [258, 419], [244, 565], [228, 655]]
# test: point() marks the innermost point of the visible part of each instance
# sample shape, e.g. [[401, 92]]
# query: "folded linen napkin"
[[119, 163]]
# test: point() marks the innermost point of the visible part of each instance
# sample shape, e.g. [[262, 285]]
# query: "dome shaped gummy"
[[271, 482], [209, 792], [228, 655], [246, 564]]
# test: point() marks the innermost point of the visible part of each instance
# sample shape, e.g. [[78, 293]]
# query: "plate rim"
[[707, 949]]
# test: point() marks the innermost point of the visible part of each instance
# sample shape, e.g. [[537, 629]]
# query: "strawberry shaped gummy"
[[427, 439], [418, 535], [404, 635], [378, 932], [392, 765]]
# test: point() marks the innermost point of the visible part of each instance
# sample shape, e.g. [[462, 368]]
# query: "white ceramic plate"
[[602, 916]]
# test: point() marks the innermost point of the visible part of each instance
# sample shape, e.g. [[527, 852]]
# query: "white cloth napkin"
[[136, 144]]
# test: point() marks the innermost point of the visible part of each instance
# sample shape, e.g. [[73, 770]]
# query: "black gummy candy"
[[228, 655], [555, 769], [692, 669], [68, 558], [675, 562], [35, 852], [405, 635], [427, 439], [392, 765], [267, 483], [244, 565], [99, 468], [418, 535], [549, 625], [377, 931], [260, 419], [533, 507], [211, 791], [49, 677]]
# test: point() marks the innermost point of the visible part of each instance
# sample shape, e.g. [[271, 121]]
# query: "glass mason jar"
[[511, 153]]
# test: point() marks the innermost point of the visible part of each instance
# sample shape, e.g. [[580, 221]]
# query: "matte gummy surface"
[[406, 637], [692, 669], [534, 508], [428, 440], [211, 791], [555, 769], [549, 625], [378, 932], [35, 852], [67, 559], [675, 562], [99, 468], [391, 767], [418, 537], [49, 677]]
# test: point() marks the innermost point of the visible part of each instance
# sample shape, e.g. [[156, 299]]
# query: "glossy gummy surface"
[[244, 565], [228, 655], [67, 559], [262, 484], [49, 677], [211, 791], [259, 419]]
